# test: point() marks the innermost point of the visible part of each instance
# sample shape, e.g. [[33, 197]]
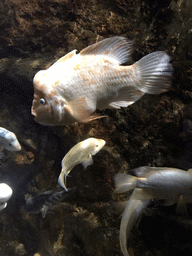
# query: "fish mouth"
[[17, 148], [103, 142]]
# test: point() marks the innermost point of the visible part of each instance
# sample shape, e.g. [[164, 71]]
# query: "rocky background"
[[155, 131]]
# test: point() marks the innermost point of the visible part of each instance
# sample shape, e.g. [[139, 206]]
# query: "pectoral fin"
[[87, 162], [78, 110], [181, 207]]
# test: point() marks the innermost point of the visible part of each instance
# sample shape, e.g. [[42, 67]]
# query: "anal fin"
[[126, 97]]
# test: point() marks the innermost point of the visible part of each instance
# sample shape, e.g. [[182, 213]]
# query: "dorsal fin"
[[66, 57], [117, 47], [142, 171]]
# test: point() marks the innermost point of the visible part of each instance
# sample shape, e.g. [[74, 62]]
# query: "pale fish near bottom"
[[149, 183], [5, 194], [9, 140], [81, 153], [77, 84]]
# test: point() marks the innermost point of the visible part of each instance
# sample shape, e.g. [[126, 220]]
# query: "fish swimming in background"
[[81, 153], [9, 140], [5, 194], [169, 184], [77, 84], [56, 198], [43, 202]]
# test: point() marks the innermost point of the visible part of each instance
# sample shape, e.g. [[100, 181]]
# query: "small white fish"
[[9, 140], [77, 84], [5, 194], [82, 152], [152, 182]]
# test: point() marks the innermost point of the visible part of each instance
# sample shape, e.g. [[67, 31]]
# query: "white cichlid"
[[9, 140], [5, 194], [82, 152], [151, 182], [77, 84]]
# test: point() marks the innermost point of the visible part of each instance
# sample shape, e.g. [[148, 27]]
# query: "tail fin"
[[62, 180], [155, 73], [124, 182]]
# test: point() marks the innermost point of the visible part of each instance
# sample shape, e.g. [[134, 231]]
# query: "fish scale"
[[92, 85], [103, 75]]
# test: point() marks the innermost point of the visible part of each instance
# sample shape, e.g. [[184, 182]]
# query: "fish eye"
[[42, 101]]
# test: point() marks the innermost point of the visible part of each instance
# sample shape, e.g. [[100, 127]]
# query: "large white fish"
[[5, 194], [9, 140], [82, 152], [161, 183], [77, 84]]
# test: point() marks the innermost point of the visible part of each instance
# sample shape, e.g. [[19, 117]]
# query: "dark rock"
[[154, 131]]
